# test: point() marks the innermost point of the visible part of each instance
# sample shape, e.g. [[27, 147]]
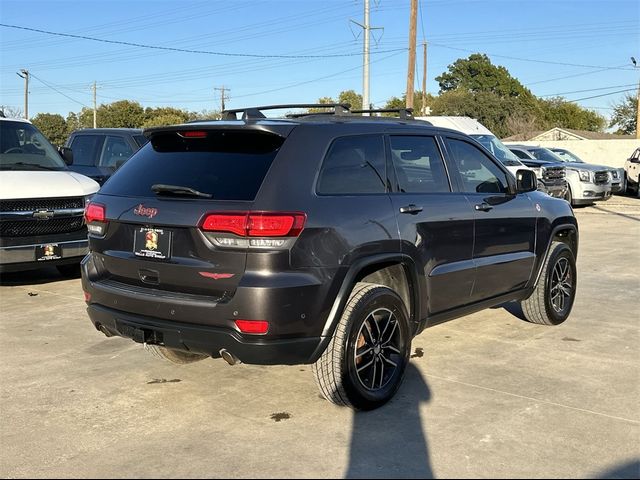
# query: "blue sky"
[[578, 48]]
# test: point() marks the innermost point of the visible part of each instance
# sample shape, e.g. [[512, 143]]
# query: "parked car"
[[322, 239], [585, 183], [41, 202], [617, 174], [98, 152], [548, 182], [632, 173]]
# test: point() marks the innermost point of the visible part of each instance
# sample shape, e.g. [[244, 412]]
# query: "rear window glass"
[[228, 165]]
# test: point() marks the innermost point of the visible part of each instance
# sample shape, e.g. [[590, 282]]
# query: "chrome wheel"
[[378, 350], [561, 285]]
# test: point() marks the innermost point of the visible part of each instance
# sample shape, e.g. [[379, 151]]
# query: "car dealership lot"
[[487, 395]]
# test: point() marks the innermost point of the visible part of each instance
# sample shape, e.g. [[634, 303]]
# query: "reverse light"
[[254, 327]]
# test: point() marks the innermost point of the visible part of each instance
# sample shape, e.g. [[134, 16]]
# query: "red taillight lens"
[[256, 327], [226, 222], [194, 134], [94, 213], [256, 224], [276, 225]]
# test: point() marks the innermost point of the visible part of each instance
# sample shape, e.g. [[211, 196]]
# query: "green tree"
[[73, 122], [397, 103], [625, 116], [478, 74], [53, 126], [120, 114], [322, 100], [557, 112], [163, 119], [352, 98]]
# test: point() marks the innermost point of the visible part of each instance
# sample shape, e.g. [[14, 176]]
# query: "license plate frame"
[[47, 252], [151, 242]]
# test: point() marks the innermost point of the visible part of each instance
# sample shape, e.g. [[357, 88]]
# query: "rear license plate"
[[52, 251], [152, 243]]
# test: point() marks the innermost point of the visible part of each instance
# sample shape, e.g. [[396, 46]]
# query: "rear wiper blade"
[[160, 189]]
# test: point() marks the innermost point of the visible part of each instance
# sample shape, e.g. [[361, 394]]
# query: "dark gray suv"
[[325, 239], [98, 152]]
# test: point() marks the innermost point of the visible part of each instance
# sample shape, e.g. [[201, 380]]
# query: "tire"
[[351, 372], [71, 270], [174, 356], [553, 296], [568, 196]]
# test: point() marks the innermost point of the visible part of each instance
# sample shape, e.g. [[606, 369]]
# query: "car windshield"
[[544, 154], [499, 150], [567, 156], [23, 147]]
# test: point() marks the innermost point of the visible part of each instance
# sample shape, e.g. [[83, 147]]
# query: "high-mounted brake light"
[[193, 134], [256, 224], [94, 212]]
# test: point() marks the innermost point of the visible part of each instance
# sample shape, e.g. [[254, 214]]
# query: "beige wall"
[[611, 153]]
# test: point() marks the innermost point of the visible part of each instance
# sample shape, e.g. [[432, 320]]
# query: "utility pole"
[[412, 52], [424, 79], [635, 64], [223, 96], [95, 106], [25, 75], [365, 55]]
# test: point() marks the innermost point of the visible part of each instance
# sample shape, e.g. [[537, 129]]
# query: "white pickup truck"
[[41, 202], [632, 173]]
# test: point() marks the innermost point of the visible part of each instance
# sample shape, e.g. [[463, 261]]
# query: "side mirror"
[[66, 154], [526, 181]]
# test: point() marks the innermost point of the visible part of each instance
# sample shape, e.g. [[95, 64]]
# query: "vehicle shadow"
[[389, 442], [31, 277], [515, 309]]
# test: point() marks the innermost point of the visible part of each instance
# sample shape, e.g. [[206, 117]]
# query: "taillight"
[[255, 327], [193, 134], [94, 212], [256, 224]]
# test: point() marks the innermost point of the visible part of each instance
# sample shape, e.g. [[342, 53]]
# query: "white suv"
[[41, 202]]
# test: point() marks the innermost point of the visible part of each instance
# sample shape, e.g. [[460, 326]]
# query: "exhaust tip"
[[229, 357], [104, 330]]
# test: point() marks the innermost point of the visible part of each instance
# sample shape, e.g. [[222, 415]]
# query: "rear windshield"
[[228, 165]]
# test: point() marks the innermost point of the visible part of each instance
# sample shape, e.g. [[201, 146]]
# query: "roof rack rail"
[[251, 113], [403, 113]]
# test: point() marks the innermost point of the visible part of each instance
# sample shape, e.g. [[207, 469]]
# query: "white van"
[[550, 178], [41, 202]]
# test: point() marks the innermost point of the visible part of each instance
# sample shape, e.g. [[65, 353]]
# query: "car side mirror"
[[66, 154], [526, 181]]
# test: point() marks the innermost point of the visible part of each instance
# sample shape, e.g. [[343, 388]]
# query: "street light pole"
[[25, 75]]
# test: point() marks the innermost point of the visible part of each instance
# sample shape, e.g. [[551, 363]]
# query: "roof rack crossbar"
[[403, 113], [256, 112]]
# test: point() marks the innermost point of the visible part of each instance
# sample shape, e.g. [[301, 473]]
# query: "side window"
[[419, 165], [141, 140], [116, 149], [479, 173], [520, 154], [353, 165], [86, 149]]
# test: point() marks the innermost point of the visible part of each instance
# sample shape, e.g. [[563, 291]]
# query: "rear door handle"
[[413, 209], [483, 207]]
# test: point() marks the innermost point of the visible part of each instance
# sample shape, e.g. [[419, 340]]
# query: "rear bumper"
[[294, 304], [203, 339], [22, 257]]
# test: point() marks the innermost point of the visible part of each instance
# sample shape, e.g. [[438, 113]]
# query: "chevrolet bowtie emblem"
[[43, 214]]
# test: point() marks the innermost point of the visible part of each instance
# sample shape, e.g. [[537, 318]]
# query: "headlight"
[[614, 174], [584, 175]]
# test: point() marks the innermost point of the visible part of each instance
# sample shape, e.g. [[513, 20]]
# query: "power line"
[[530, 59], [603, 95], [185, 50], [587, 90], [56, 90]]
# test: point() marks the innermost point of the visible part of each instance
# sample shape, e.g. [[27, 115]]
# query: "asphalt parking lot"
[[487, 395]]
